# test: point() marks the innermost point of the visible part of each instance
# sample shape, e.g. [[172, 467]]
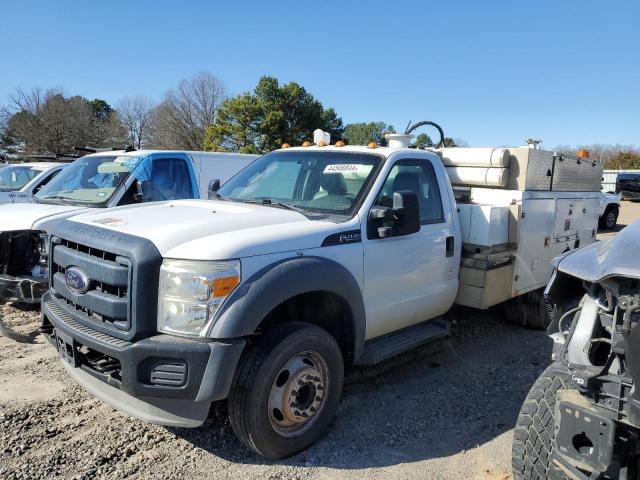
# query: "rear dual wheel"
[[528, 310], [286, 389]]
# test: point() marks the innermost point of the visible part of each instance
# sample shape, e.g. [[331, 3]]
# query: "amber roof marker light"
[[306, 143], [372, 145], [340, 143]]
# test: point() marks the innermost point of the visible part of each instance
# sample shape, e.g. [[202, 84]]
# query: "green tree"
[[273, 114], [423, 141], [363, 133], [100, 109], [629, 160], [237, 127]]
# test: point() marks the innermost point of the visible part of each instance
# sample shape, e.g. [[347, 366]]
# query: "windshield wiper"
[[65, 200], [56, 197], [269, 201]]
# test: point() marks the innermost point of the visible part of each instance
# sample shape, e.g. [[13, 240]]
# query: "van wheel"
[[535, 431], [609, 220], [286, 389]]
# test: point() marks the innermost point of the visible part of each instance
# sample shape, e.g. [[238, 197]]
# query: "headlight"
[[191, 292]]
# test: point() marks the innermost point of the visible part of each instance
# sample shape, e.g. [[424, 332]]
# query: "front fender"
[[252, 301]]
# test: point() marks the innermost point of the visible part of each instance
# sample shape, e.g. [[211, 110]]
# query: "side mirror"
[[402, 219], [407, 212], [143, 191], [214, 186]]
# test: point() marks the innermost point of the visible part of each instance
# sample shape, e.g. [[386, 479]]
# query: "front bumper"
[[22, 289], [162, 379]]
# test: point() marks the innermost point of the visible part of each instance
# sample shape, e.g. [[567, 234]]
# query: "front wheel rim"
[[298, 393], [611, 220]]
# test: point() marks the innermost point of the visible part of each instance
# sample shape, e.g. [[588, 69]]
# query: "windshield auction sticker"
[[341, 168], [348, 169]]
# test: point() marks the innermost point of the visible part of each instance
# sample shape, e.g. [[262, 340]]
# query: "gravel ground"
[[443, 411]]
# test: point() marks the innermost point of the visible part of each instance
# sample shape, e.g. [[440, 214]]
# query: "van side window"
[[417, 176], [170, 180]]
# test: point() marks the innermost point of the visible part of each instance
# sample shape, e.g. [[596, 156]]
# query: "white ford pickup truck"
[[98, 181], [309, 260], [20, 181]]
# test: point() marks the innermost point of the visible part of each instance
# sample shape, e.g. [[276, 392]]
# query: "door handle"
[[451, 246]]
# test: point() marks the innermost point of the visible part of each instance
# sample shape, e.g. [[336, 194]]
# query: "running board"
[[389, 345]]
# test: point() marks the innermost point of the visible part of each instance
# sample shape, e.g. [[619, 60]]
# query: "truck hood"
[[33, 216], [214, 230], [613, 257]]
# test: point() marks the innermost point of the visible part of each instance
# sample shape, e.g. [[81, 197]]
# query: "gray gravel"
[[442, 411]]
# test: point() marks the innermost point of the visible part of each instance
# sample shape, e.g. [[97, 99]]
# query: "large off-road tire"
[[609, 218], [286, 389], [535, 431], [528, 310]]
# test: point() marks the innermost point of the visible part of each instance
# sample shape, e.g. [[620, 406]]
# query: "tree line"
[[199, 114]]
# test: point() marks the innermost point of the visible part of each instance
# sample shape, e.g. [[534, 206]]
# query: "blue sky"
[[491, 73]]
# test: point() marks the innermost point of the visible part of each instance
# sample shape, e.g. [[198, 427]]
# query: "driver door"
[[410, 278]]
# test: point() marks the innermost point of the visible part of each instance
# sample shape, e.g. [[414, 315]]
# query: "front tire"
[[286, 389], [535, 431]]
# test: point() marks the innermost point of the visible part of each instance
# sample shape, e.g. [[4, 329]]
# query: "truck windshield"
[[88, 181], [329, 182], [15, 177]]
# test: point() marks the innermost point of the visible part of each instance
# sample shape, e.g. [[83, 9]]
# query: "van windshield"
[[327, 182], [13, 178], [89, 181]]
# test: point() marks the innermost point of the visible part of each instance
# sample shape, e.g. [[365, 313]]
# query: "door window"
[[417, 176], [170, 180]]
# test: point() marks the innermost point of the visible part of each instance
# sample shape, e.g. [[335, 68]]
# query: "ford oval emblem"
[[76, 280]]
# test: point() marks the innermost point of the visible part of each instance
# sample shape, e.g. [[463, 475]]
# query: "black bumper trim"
[[137, 360]]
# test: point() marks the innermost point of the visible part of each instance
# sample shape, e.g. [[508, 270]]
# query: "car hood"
[[28, 216], [214, 230], [613, 257]]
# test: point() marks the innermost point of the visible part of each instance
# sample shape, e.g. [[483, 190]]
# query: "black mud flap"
[[15, 336], [584, 440]]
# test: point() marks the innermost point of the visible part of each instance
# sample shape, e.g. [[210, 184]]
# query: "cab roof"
[[122, 153], [384, 151], [36, 165]]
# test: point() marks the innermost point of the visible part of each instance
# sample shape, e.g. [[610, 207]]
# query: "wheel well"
[[321, 308]]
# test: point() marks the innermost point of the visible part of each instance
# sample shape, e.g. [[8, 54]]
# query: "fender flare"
[[252, 301]]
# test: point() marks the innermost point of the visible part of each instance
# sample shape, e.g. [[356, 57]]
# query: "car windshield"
[[15, 177], [329, 182], [88, 181]]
